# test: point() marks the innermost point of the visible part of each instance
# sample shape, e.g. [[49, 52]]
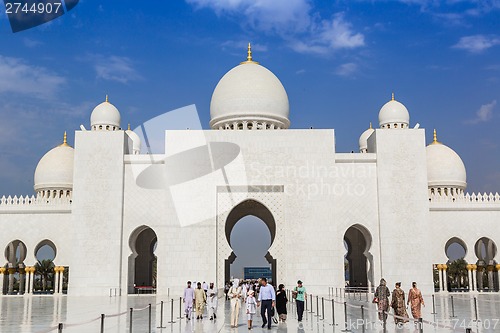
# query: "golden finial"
[[107, 99], [370, 125], [392, 97], [128, 128], [435, 141], [249, 56], [65, 140]]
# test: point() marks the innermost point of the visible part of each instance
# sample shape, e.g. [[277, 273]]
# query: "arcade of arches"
[[459, 275], [16, 277]]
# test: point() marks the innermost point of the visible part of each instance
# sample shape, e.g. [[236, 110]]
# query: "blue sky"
[[338, 60]]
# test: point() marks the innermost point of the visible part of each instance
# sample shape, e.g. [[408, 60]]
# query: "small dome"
[[445, 168], [249, 94], [394, 115], [55, 169], [363, 139], [105, 116], [135, 148]]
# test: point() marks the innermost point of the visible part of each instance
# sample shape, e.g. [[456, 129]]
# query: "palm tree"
[[46, 270], [457, 272]]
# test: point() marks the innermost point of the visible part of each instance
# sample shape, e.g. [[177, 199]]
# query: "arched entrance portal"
[[358, 259], [246, 208], [142, 261]]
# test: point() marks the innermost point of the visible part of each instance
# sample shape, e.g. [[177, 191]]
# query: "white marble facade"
[[120, 200]]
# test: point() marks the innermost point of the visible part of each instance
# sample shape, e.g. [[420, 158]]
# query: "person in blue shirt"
[[267, 297]]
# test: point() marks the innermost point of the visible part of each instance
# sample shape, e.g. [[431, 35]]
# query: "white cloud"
[[477, 43], [329, 35], [20, 77], [293, 20], [277, 15], [484, 114], [347, 69], [113, 68], [31, 43]]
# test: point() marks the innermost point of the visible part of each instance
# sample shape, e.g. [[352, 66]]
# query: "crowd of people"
[[398, 302], [253, 294], [256, 294]]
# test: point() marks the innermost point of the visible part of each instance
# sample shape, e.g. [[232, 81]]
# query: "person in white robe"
[[188, 300], [212, 301]]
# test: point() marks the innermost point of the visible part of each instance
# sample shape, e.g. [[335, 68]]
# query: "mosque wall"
[[31, 229], [97, 212], [403, 206], [468, 225]]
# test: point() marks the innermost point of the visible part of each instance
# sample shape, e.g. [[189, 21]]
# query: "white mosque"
[[120, 218]]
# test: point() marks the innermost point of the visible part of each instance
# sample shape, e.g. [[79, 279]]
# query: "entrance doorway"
[[143, 261], [253, 218]]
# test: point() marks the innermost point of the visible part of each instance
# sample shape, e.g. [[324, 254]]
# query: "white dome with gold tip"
[[363, 139], [249, 96], [445, 169], [55, 169], [105, 117], [394, 115]]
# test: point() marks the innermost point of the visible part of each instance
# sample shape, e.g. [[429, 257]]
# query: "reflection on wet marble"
[[44, 313]]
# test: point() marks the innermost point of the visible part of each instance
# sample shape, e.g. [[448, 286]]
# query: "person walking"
[[300, 294], [200, 298], [382, 294], [415, 300], [251, 306], [188, 300], [212, 301], [281, 301], [398, 304], [235, 296], [267, 297], [205, 287]]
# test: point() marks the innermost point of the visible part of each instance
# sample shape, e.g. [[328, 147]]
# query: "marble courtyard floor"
[[39, 314]]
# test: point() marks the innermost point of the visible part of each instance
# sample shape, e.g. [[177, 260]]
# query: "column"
[[498, 273], [440, 270], [32, 279], [27, 269], [491, 268], [61, 279], [2, 276], [480, 278], [12, 271], [469, 275], [474, 277], [56, 280], [445, 277], [22, 281]]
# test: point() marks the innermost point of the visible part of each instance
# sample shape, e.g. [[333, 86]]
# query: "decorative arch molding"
[[264, 202], [46, 242], [455, 240]]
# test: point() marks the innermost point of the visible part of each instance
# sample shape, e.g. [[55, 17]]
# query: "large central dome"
[[249, 96]]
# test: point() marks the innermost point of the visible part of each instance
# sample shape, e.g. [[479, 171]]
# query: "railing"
[[13, 204], [467, 198]]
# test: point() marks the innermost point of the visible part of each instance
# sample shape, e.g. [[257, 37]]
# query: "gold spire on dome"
[[370, 125], [435, 141], [128, 128], [392, 99], [65, 140], [249, 56], [107, 101]]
